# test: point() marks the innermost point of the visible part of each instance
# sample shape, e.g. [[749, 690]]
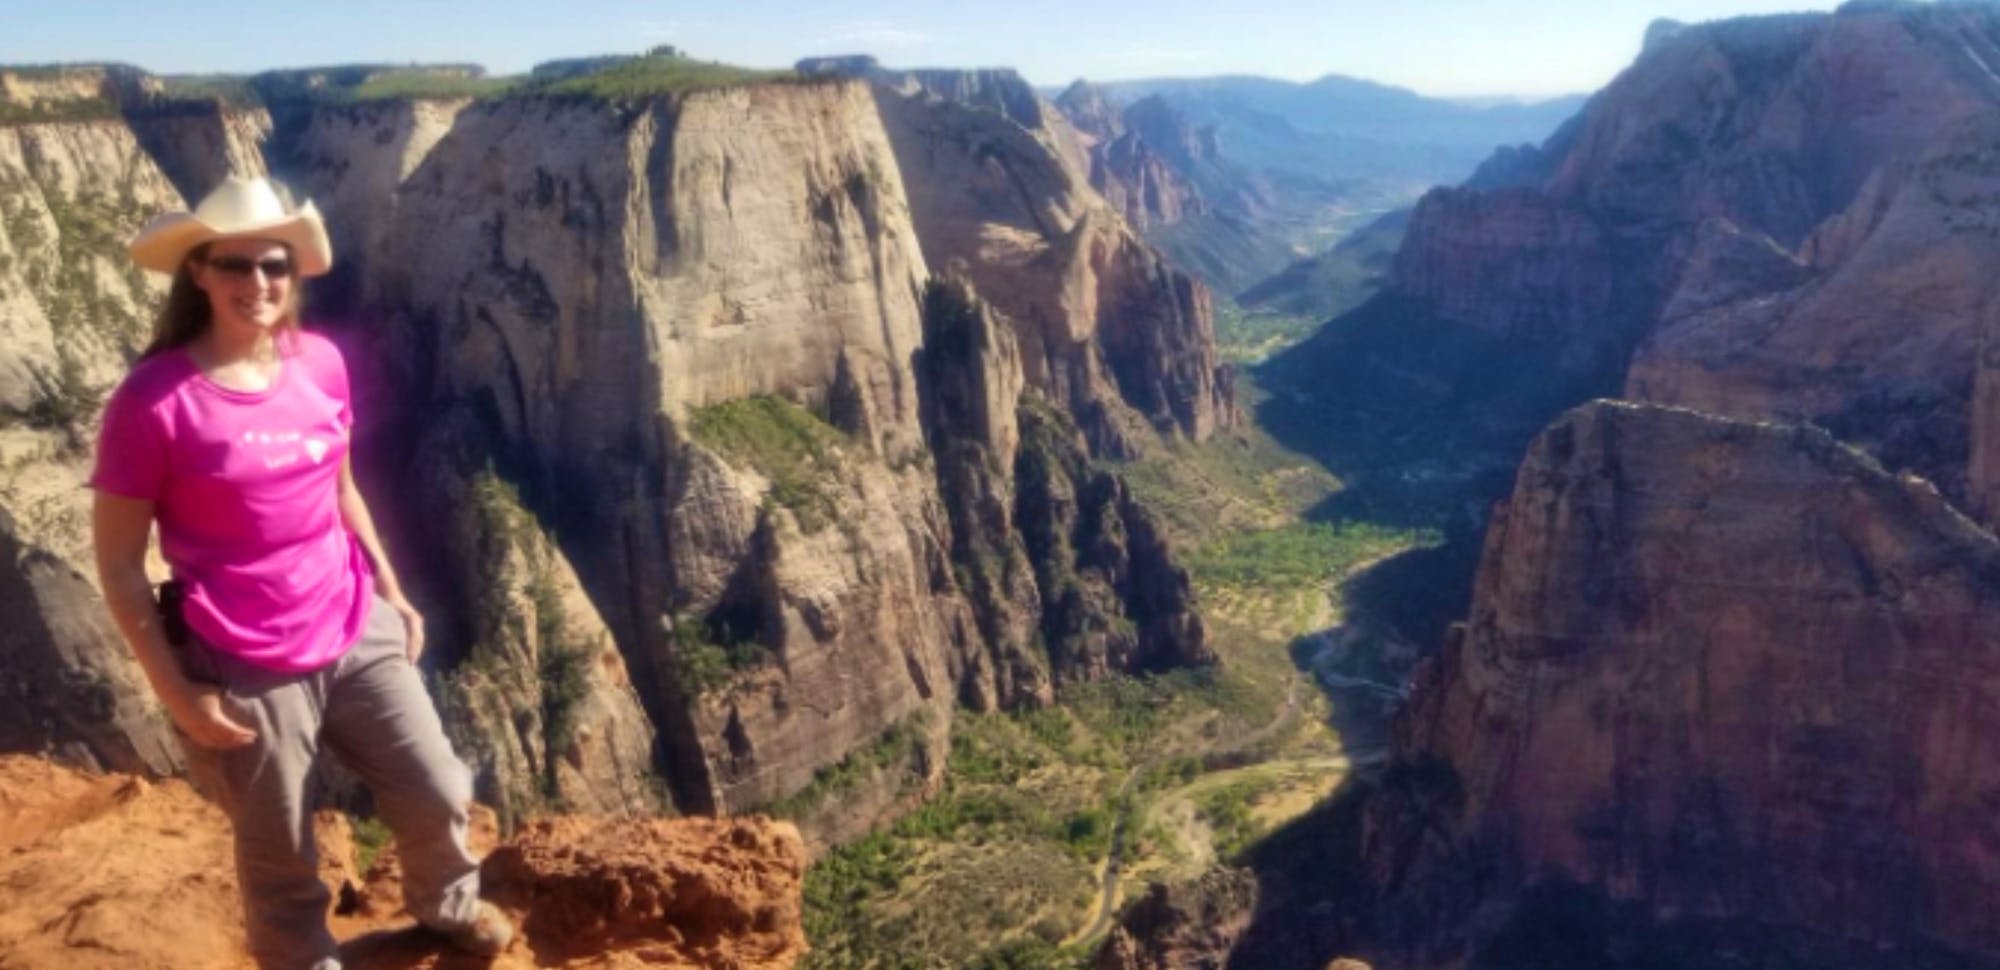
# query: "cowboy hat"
[[238, 208]]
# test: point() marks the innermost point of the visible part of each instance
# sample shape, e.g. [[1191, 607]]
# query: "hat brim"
[[165, 242]]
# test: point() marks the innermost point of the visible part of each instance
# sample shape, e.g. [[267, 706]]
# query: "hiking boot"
[[487, 935]]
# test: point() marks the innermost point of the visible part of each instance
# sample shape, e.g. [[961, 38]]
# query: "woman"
[[231, 433]]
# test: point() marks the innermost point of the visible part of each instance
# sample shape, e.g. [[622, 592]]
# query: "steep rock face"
[[71, 304], [1124, 168], [584, 282], [1101, 561], [199, 143], [73, 87], [72, 310], [1089, 111], [1093, 307], [71, 689], [351, 160], [1208, 215], [541, 707], [1002, 91], [1071, 579], [972, 370], [1183, 146], [649, 426], [1654, 232], [1776, 122], [1874, 334], [1551, 259], [1724, 670]]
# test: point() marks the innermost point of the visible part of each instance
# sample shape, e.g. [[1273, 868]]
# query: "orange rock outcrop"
[[112, 871]]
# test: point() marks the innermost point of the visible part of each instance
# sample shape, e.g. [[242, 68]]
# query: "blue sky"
[[1442, 47]]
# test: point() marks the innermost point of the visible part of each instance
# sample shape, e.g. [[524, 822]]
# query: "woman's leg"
[[264, 789], [381, 723]]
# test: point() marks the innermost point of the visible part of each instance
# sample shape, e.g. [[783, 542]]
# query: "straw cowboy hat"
[[238, 208]]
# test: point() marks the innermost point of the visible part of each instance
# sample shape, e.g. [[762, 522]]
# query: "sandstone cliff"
[[689, 332], [542, 706], [1780, 217], [72, 309], [1124, 168], [663, 452], [115, 872], [1107, 330], [1728, 671], [604, 296]]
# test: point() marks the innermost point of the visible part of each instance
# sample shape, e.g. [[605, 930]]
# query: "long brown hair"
[[186, 315]]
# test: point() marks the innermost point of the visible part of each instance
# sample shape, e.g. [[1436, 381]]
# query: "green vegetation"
[[227, 90], [1229, 484], [344, 84], [526, 670], [1031, 954], [418, 84], [889, 752], [1247, 336], [68, 242], [797, 451], [657, 74], [1314, 552], [1226, 809], [1000, 867], [72, 109], [661, 71], [1176, 769], [371, 836], [562, 666], [709, 655]]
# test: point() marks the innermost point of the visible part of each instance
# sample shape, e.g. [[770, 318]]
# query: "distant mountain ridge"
[[1284, 170], [1370, 129]]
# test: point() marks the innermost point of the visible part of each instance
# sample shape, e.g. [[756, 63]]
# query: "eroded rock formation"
[[1124, 168], [647, 381], [116, 872], [1107, 330], [1778, 217], [1729, 671]]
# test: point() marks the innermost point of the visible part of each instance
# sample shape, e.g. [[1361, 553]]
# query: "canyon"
[[653, 391], [1723, 690], [755, 442]]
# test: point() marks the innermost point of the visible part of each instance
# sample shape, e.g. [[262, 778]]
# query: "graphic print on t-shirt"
[[280, 449]]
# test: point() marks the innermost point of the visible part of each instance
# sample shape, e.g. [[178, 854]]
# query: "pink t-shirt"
[[246, 489]]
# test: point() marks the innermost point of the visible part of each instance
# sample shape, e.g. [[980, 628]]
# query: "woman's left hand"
[[413, 622]]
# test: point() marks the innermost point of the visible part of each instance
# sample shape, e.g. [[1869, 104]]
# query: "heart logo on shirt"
[[315, 449]]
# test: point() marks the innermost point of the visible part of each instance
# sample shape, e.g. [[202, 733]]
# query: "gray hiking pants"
[[370, 709]]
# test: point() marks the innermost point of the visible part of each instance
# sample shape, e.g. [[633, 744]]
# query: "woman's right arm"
[[121, 527]]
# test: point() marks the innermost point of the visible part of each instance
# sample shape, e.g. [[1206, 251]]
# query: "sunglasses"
[[276, 267]]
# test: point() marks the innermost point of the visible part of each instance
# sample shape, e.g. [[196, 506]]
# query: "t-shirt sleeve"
[[131, 448]]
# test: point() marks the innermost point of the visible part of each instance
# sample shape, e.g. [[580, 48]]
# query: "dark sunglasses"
[[276, 267]]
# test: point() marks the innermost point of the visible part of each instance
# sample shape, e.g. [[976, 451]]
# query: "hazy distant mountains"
[[1341, 128], [1291, 169]]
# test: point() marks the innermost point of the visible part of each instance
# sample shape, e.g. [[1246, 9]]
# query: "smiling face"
[[250, 283]]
